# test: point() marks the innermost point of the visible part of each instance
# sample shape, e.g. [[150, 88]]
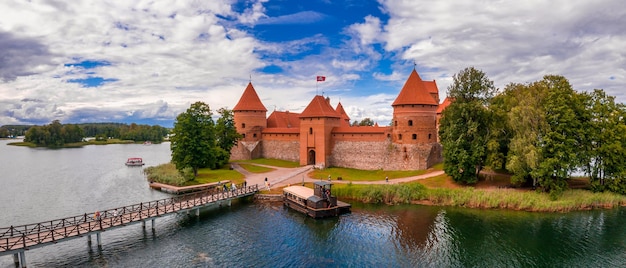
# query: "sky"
[[148, 61]]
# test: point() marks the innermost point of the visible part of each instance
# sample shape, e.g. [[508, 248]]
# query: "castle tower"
[[249, 116], [345, 119], [316, 123], [415, 112]]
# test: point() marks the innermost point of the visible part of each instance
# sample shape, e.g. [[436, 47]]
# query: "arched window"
[[399, 136], [396, 123], [414, 136], [243, 125], [410, 123], [243, 135], [310, 130], [254, 135], [429, 135]]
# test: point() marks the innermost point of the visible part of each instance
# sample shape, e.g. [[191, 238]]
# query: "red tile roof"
[[344, 116], [249, 101], [319, 107], [432, 87], [445, 104], [414, 92], [283, 120]]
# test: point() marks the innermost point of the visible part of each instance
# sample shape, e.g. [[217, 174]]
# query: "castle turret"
[[415, 112], [249, 115], [316, 124]]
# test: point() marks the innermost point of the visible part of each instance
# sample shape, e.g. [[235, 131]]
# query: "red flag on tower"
[[321, 78]]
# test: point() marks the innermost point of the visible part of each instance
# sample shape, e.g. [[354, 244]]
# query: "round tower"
[[414, 113], [249, 115]]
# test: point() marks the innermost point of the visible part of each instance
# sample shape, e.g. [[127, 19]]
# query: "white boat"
[[134, 161]]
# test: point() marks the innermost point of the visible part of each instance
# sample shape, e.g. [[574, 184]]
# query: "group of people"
[[233, 186]]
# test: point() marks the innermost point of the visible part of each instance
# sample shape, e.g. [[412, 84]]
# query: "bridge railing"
[[24, 235]]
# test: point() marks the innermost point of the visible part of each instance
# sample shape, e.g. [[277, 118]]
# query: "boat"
[[134, 161], [317, 202]]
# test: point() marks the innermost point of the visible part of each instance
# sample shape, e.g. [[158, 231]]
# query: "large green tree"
[[226, 135], [464, 126], [193, 139], [605, 150]]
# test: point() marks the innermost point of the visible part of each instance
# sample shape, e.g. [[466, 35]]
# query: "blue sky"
[[147, 61]]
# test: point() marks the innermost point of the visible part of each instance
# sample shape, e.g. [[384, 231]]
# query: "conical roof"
[[342, 112], [249, 101], [319, 107], [414, 92]]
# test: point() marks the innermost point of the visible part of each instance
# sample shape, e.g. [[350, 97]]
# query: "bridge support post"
[[98, 239], [197, 212], [16, 259], [89, 239], [229, 202], [152, 225], [143, 224], [22, 256]]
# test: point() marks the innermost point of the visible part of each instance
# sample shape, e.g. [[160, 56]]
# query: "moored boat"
[[317, 203], [134, 161]]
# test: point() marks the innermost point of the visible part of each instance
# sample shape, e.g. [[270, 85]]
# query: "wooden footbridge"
[[17, 239]]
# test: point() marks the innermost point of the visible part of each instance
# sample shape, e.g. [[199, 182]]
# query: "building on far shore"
[[322, 136]]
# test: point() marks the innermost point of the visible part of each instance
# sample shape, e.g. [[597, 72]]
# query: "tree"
[[605, 153], [226, 134], [193, 140], [526, 118], [464, 126], [364, 122]]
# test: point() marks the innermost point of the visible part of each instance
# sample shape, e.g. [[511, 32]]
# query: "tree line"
[[541, 132], [56, 134]]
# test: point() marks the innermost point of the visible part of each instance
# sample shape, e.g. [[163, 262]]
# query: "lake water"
[[44, 184]]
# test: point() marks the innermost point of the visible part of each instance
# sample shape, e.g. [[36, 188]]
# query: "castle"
[[322, 136]]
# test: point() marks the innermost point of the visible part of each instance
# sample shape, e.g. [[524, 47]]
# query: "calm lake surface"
[[44, 184]]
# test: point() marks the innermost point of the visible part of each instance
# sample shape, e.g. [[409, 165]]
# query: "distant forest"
[[56, 134]]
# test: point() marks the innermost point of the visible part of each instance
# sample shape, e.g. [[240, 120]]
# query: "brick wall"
[[282, 149], [372, 155]]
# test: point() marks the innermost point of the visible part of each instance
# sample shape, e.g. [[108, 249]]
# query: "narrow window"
[[429, 135], [254, 135], [414, 136], [399, 136], [243, 125], [310, 130], [243, 135], [396, 123], [410, 123]]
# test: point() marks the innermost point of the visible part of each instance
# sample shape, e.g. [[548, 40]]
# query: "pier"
[[17, 240]]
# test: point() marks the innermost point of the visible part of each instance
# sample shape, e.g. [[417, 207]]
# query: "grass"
[[523, 200], [271, 162], [441, 181], [168, 174], [418, 193], [255, 168], [349, 174]]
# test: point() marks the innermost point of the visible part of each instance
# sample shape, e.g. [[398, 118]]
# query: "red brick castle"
[[321, 135]]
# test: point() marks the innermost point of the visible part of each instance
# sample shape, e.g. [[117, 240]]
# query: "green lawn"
[[271, 162], [167, 173], [349, 174]]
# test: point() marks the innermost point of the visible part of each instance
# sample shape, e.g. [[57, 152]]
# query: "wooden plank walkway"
[[16, 239]]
